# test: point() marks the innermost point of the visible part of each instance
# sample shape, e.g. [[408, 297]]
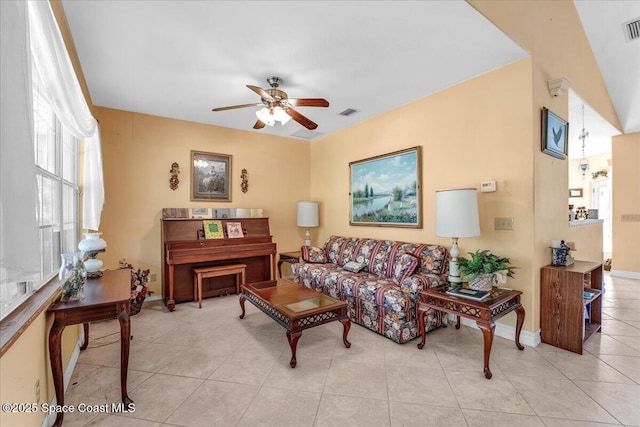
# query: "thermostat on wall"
[[488, 186]]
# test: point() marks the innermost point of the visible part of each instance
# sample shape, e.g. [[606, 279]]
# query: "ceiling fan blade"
[[264, 95], [233, 107], [308, 102], [304, 121], [258, 125]]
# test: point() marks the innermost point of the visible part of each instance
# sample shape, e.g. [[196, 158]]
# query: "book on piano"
[[471, 294]]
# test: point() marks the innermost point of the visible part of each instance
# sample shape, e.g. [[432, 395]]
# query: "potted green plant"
[[485, 269]]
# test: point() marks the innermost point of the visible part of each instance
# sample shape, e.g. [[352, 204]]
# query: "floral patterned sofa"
[[379, 279]]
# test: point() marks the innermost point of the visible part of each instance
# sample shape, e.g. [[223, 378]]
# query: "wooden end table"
[[296, 308], [107, 297], [485, 314], [289, 257]]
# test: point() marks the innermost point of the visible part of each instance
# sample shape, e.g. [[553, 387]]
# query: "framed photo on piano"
[[213, 229], [234, 230]]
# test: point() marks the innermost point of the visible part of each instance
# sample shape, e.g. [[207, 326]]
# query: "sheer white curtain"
[[55, 72], [19, 241]]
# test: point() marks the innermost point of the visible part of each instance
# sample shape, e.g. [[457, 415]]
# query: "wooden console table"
[[107, 297], [484, 313]]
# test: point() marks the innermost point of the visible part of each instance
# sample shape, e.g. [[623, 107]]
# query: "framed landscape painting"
[[385, 190], [210, 177], [555, 135]]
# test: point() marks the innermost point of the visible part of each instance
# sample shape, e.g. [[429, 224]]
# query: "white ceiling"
[[180, 59]]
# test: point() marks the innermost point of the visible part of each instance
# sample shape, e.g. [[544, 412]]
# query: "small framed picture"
[[234, 230], [199, 213], [213, 229], [575, 192], [555, 135]]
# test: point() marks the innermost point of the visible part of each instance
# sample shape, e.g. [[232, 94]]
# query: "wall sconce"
[[558, 86], [175, 171], [244, 186]]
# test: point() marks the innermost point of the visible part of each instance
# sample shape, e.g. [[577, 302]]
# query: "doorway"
[[601, 200]]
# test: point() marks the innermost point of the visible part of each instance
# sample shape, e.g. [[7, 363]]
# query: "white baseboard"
[[626, 274], [153, 298], [531, 339], [68, 372]]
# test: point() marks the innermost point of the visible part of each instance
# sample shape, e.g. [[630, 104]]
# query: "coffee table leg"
[[487, 332], [293, 338], [242, 306], [346, 323], [519, 322]]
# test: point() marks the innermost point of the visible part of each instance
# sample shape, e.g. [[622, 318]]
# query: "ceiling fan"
[[277, 106]]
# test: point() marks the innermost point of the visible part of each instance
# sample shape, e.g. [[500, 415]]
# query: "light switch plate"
[[504, 223]]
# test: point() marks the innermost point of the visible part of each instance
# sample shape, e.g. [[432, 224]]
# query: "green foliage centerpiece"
[[485, 269]]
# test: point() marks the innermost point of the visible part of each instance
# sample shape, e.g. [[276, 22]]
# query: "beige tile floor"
[[209, 368]]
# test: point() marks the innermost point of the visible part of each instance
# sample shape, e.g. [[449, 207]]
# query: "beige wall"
[[469, 133], [26, 362], [138, 151], [626, 200]]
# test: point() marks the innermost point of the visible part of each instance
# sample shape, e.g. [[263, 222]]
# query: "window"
[[56, 157]]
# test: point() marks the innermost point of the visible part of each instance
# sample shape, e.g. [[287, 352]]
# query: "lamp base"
[[307, 238], [454, 273]]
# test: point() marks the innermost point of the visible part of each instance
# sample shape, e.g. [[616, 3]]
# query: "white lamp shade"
[[307, 214], [457, 213], [265, 116]]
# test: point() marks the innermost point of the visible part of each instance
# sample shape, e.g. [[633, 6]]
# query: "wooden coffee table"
[[485, 314], [296, 308]]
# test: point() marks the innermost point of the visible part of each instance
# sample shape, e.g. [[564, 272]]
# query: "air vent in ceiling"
[[348, 112], [306, 134], [632, 30]]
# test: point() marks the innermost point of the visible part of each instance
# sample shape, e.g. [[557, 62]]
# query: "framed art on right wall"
[[555, 134]]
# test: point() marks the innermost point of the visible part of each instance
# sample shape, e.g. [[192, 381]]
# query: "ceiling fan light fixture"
[[281, 115], [265, 116]]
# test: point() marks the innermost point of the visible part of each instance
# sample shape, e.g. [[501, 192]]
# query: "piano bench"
[[216, 271]]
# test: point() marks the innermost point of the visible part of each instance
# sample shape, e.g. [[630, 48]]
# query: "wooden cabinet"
[[570, 304]]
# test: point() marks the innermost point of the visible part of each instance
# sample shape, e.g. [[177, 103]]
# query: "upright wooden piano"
[[184, 247]]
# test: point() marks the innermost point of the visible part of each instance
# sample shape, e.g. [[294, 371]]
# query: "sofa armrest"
[[420, 281]]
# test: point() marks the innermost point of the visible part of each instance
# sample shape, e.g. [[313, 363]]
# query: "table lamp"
[[307, 217], [456, 216]]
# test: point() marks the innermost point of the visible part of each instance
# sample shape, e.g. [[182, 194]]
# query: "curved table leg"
[[423, 334], [55, 356], [519, 322], [241, 300], [85, 344], [125, 341], [280, 261], [293, 338], [487, 332], [346, 323]]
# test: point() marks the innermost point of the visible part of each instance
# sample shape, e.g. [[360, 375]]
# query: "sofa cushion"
[[313, 254], [354, 267], [404, 267]]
